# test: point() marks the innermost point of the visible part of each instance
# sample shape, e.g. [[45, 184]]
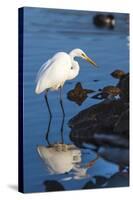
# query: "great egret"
[[58, 69]]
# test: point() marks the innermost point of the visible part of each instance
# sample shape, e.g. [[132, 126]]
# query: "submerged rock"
[[78, 94]]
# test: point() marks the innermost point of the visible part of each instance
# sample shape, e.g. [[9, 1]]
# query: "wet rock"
[[97, 113], [122, 124], [124, 87], [108, 92], [78, 94], [96, 124], [118, 74], [102, 20]]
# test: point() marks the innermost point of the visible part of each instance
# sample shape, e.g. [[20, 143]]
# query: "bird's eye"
[[71, 67], [83, 54]]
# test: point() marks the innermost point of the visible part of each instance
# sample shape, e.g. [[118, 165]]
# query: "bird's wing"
[[54, 72], [42, 69]]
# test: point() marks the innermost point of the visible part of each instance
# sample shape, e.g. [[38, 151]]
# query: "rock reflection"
[[120, 179], [97, 182], [78, 94], [117, 155], [52, 185]]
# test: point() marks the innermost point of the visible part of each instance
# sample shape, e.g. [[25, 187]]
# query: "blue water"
[[47, 31]]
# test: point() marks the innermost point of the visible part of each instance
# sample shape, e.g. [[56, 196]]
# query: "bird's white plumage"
[[58, 69], [42, 69], [54, 73]]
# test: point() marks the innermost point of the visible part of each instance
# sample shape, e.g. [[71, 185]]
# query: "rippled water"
[[47, 31]]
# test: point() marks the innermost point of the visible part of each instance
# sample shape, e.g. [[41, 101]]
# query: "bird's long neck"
[[74, 70], [72, 54]]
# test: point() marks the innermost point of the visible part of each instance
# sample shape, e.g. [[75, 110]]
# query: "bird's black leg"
[[46, 99], [50, 114], [61, 102]]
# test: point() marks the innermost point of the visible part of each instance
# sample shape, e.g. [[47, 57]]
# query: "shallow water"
[[45, 33]]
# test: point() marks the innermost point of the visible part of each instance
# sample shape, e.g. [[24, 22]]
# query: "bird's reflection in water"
[[61, 158], [65, 158], [48, 130], [61, 130]]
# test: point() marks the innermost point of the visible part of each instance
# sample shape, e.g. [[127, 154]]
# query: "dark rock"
[[122, 124], [118, 74], [52, 185], [102, 20], [108, 92], [98, 113], [78, 94], [124, 87], [96, 124]]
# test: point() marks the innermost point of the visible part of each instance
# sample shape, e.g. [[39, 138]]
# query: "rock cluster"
[[105, 123]]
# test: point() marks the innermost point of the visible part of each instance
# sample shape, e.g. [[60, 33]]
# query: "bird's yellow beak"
[[90, 61]]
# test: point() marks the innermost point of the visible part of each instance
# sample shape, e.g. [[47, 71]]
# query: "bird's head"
[[82, 54]]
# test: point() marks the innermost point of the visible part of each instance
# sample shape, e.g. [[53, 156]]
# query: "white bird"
[[58, 69]]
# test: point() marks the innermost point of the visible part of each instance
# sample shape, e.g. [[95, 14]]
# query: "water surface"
[[47, 31]]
